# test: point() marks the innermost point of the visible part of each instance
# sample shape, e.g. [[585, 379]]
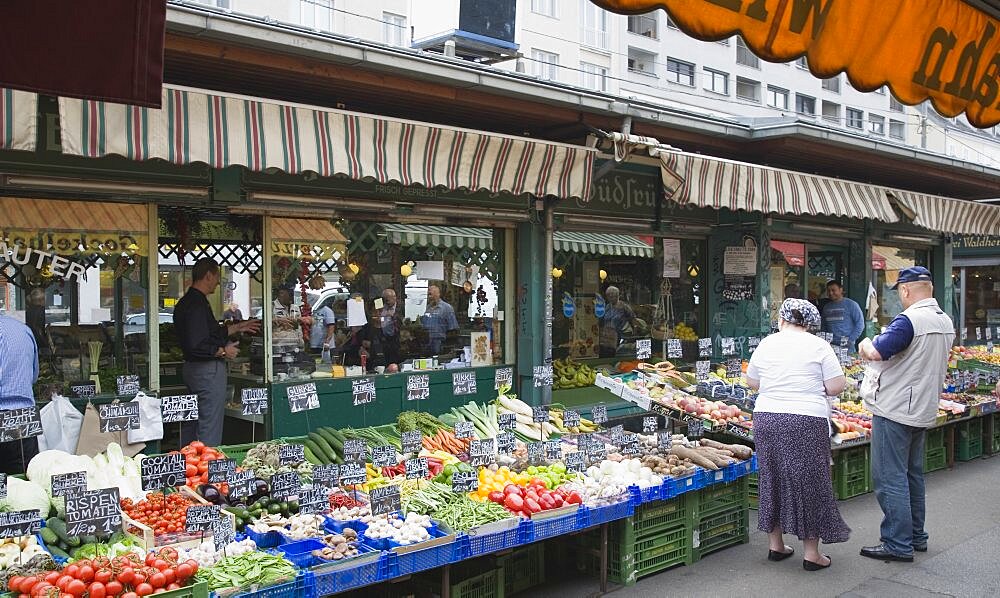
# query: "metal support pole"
[[604, 558], [446, 581], [547, 316]]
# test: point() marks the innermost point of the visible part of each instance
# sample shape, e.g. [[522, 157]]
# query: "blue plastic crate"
[[299, 552], [387, 544], [335, 526], [678, 486], [558, 526], [745, 467], [271, 539], [644, 495], [606, 513], [415, 561], [753, 464], [709, 477], [480, 544], [331, 580], [304, 586]]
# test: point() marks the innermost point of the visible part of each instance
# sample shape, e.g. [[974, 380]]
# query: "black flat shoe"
[[920, 547], [880, 553], [774, 555], [811, 566]]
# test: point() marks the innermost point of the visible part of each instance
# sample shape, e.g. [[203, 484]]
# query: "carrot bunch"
[[446, 441]]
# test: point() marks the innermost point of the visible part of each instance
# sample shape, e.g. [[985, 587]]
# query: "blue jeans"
[[898, 476]]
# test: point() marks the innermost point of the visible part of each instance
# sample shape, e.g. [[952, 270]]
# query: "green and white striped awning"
[[423, 235], [18, 116], [260, 134], [601, 244]]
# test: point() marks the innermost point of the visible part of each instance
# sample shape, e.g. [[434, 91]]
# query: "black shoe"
[[881, 553], [774, 555], [920, 547], [811, 566]]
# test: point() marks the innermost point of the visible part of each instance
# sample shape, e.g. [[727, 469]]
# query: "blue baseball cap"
[[914, 274]]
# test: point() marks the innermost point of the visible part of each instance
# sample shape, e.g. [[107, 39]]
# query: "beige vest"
[[906, 388]]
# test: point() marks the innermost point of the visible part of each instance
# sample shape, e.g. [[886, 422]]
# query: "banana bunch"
[[556, 418], [571, 374]]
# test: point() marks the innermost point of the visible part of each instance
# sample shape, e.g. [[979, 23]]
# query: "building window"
[[744, 56], [895, 105], [644, 25], [594, 25], [880, 91], [724, 42], [671, 24], [777, 97], [805, 104], [897, 129], [546, 65], [831, 112], [748, 89], [315, 14], [681, 72], [855, 118], [593, 76], [832, 84], [544, 7], [641, 62], [394, 29], [876, 124], [802, 63], [717, 81]]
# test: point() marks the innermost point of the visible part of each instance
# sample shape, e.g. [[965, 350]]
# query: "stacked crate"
[[935, 451], [852, 472], [969, 439], [720, 517]]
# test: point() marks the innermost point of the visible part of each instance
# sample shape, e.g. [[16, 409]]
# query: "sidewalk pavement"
[[963, 520]]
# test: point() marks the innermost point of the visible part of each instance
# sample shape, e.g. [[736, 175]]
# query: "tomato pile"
[[535, 497], [196, 458], [164, 515], [125, 576]]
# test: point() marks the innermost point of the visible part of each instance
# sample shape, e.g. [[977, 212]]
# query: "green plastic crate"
[[723, 497], [996, 433], [935, 459], [934, 438], [630, 559], [969, 440], [719, 531], [852, 472], [752, 492], [237, 452], [198, 590], [524, 568], [479, 578], [660, 514]]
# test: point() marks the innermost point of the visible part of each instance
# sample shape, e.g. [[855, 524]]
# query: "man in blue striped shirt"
[[18, 371]]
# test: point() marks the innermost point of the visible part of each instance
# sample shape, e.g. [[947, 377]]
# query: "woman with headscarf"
[[796, 374]]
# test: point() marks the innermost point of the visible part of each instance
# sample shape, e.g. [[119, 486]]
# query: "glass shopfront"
[[887, 262]]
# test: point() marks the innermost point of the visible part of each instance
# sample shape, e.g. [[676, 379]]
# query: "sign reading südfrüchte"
[[949, 53]]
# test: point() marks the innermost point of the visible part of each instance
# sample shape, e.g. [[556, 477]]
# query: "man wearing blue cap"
[[901, 388]]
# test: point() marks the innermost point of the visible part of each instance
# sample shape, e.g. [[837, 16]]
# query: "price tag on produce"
[[286, 485], [128, 385], [576, 462], [738, 430], [464, 481], [220, 470], [503, 377], [843, 355], [728, 346], [536, 453], [542, 376], [695, 428], [463, 383], [704, 347], [385, 500], [92, 512], [989, 347], [223, 533], [327, 476], [596, 451], [363, 391], [664, 439], [162, 471], [734, 368], [304, 397], [506, 443], [979, 333], [179, 408], [352, 473], [201, 518], [83, 389], [3, 485], [384, 455], [619, 430], [989, 333], [599, 414], [507, 421], [464, 429], [701, 370], [753, 342], [118, 417], [617, 437], [355, 449], [553, 450], [571, 419], [255, 401], [412, 441], [540, 413], [64, 484], [418, 387], [291, 454], [314, 500], [630, 445], [643, 348], [417, 468], [649, 424], [482, 452], [15, 524], [242, 484], [674, 350]]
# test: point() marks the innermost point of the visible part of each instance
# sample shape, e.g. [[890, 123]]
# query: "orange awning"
[[945, 50]]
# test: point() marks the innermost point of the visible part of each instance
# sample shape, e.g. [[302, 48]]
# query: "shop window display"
[[982, 302], [887, 262], [788, 274]]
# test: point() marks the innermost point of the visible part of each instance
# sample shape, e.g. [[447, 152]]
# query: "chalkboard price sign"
[[704, 347], [416, 469], [649, 424], [463, 383], [571, 419], [291, 454], [507, 421], [412, 441], [482, 452], [630, 445], [576, 461], [464, 429], [536, 453], [118, 417], [542, 376], [3, 485], [83, 389], [753, 342], [219, 470], [384, 455], [728, 346], [384, 500], [223, 533], [503, 377], [242, 484], [418, 387], [695, 428], [599, 414], [314, 500], [464, 481], [18, 424], [734, 368], [64, 484], [363, 391], [128, 385], [674, 350], [506, 443], [303, 397], [355, 449], [201, 518], [180, 408], [327, 476], [255, 401], [353, 472], [553, 450], [540, 414], [701, 369], [15, 524], [643, 348], [92, 512], [162, 471], [664, 439], [285, 485]]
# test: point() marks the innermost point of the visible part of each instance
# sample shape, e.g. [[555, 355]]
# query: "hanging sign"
[[128, 385], [19, 424], [118, 417], [418, 387], [162, 471], [304, 397], [180, 408], [674, 349], [412, 441], [92, 512], [83, 389], [463, 383], [503, 377], [599, 414], [219, 470], [363, 391], [255, 401], [542, 376], [385, 500], [643, 348], [16, 524], [64, 484], [291, 454], [201, 518], [327, 476], [704, 347]]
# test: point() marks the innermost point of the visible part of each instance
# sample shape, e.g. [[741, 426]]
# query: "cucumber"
[[334, 437], [49, 536], [325, 448], [310, 457], [58, 552], [89, 539], [58, 527]]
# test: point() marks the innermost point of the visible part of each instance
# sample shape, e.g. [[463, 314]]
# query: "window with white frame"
[[544, 7], [593, 25], [593, 76], [716, 81], [724, 42], [681, 72], [831, 112], [876, 124], [748, 89], [671, 24], [394, 30], [832, 84], [895, 105], [880, 91], [855, 118], [641, 62], [777, 97], [545, 65], [802, 63], [744, 56], [315, 14], [644, 25], [805, 105], [897, 129]]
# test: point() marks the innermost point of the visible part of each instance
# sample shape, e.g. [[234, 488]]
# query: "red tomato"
[[86, 573], [130, 595], [72, 571], [197, 445], [532, 505], [184, 572], [126, 576], [63, 581], [190, 470], [14, 583], [144, 589], [102, 575], [193, 564], [76, 587], [496, 496], [113, 588], [158, 580], [170, 575], [97, 590], [511, 489]]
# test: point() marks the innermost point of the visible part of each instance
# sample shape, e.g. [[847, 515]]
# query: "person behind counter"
[[324, 330], [385, 337], [18, 372], [617, 315], [287, 317], [206, 346], [233, 312], [439, 320]]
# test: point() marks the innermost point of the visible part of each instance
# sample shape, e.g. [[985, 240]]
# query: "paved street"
[[963, 522]]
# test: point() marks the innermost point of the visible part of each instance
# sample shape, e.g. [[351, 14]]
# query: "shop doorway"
[[802, 270]]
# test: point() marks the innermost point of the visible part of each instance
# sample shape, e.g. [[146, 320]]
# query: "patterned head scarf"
[[801, 313]]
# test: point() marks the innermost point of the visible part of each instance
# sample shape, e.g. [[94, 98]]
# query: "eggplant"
[[211, 494], [261, 489]]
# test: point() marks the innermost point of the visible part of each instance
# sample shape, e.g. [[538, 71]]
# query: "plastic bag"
[[150, 420], [61, 423]]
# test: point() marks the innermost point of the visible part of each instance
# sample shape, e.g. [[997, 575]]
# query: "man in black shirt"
[[206, 346]]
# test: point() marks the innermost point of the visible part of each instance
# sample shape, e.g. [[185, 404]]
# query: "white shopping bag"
[[61, 423], [150, 420]]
